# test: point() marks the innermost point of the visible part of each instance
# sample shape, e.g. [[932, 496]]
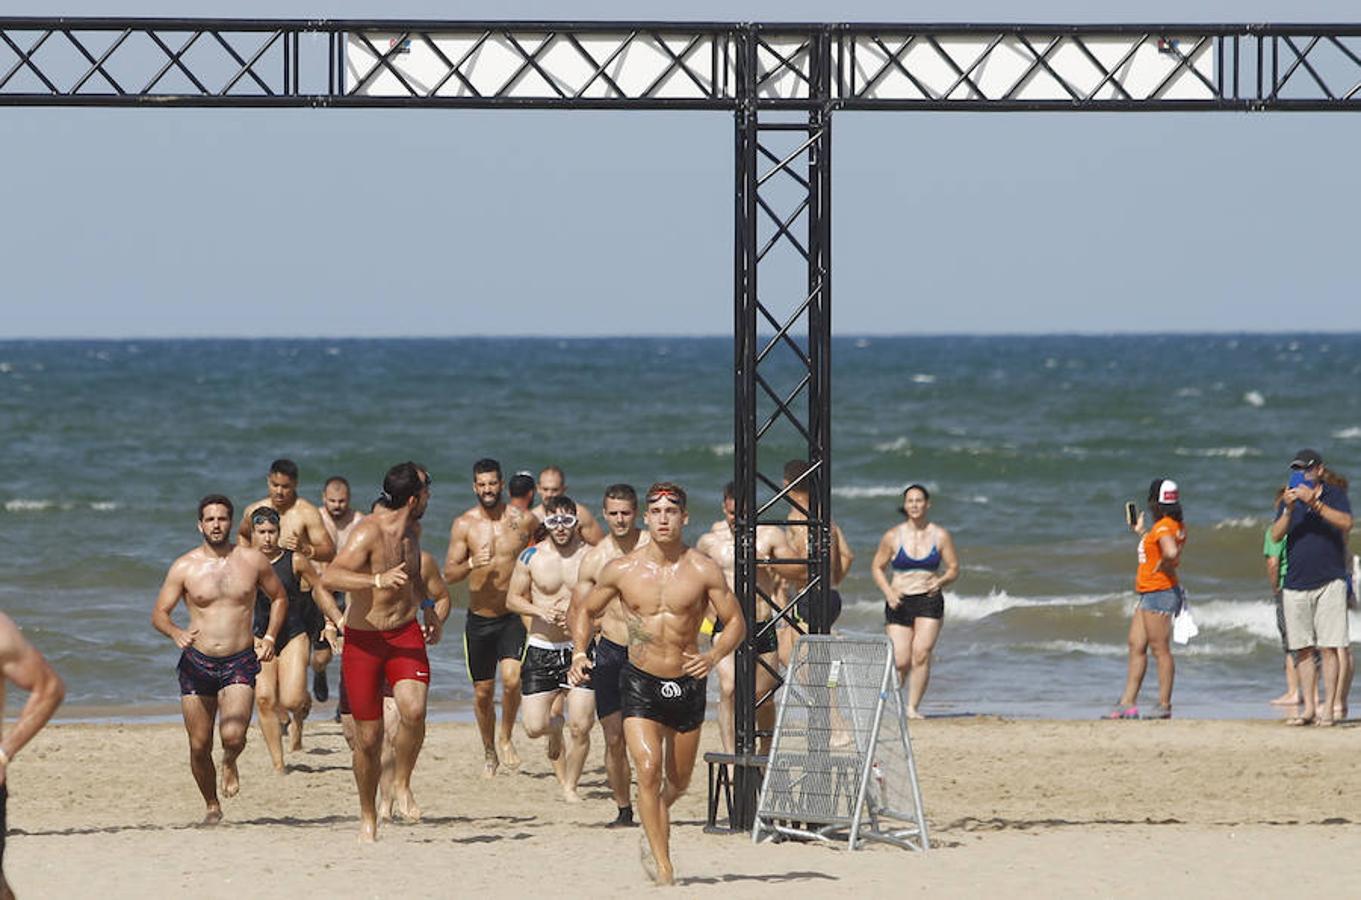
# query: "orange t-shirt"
[[1149, 577]]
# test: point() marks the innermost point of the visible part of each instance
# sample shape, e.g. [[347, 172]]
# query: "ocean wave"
[[1218, 452], [862, 491], [974, 609], [1348, 434], [1254, 398], [1092, 648], [22, 505], [721, 449], [923, 378], [897, 445], [1239, 522]]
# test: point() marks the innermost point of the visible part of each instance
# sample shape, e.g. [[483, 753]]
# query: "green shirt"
[[1275, 549]]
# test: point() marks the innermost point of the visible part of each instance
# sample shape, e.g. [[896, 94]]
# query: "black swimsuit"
[[297, 620], [677, 703]]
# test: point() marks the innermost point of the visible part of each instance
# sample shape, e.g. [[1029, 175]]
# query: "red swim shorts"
[[372, 656]]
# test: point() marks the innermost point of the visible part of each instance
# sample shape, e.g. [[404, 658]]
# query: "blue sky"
[[121, 223]]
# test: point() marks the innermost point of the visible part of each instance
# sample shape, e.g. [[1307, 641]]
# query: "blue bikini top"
[[901, 562]]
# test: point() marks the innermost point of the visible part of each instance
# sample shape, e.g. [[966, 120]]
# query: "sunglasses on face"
[[561, 520]]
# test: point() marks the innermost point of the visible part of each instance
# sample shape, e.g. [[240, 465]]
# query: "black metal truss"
[[659, 65]]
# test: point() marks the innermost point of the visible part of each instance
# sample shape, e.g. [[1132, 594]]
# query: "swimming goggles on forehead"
[[665, 494], [264, 514], [561, 520]]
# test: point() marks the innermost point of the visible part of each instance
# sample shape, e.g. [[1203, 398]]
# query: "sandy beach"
[[1017, 807]]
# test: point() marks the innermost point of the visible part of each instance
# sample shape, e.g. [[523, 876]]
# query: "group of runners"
[[581, 621]]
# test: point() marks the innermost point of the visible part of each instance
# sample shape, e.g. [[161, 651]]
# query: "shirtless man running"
[[300, 526], [484, 543], [720, 544], [22, 664], [380, 571], [664, 588], [220, 657], [610, 651], [338, 517], [553, 483], [541, 588]]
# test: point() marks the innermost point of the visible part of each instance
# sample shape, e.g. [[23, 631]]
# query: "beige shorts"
[[1316, 618]]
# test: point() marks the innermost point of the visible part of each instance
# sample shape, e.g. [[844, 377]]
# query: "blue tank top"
[[901, 562]]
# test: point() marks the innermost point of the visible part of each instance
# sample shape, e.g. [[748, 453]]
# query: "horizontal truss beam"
[[670, 65]]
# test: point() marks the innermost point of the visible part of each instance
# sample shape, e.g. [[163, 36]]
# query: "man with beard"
[[380, 571], [484, 543], [220, 658], [553, 483], [339, 519], [541, 589]]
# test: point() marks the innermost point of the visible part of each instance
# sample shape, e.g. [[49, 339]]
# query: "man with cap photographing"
[[1314, 517]]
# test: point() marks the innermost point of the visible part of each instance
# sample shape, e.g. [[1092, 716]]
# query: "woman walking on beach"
[[914, 553], [1160, 599]]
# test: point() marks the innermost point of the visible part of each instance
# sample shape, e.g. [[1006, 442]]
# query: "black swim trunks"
[[545, 667], [833, 608], [677, 703], [4, 822], [205, 675], [610, 659], [914, 606], [487, 641]]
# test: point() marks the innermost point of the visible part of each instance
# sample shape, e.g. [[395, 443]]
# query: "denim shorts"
[[1167, 602]]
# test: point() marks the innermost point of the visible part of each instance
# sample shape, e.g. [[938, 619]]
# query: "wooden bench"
[[720, 785]]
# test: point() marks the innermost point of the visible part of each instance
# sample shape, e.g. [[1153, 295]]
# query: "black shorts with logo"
[[677, 703]]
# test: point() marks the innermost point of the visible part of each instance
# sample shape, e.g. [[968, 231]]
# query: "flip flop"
[[1296, 721]]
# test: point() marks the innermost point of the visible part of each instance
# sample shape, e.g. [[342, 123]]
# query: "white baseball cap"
[[1167, 492]]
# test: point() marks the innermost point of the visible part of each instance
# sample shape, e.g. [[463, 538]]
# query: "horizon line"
[[667, 336]]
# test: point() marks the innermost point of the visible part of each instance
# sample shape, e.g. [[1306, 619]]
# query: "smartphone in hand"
[[1131, 513]]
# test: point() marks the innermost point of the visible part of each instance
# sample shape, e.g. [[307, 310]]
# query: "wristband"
[[376, 583], [268, 637], [427, 603]]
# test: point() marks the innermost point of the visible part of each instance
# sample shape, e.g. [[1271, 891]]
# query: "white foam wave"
[[1092, 648], [721, 449], [861, 491], [22, 505], [1254, 398], [923, 378], [974, 609], [1240, 522], [1348, 434], [861, 343], [1218, 452], [1188, 392], [5, 368], [1256, 618], [103, 506], [977, 498], [899, 445]]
